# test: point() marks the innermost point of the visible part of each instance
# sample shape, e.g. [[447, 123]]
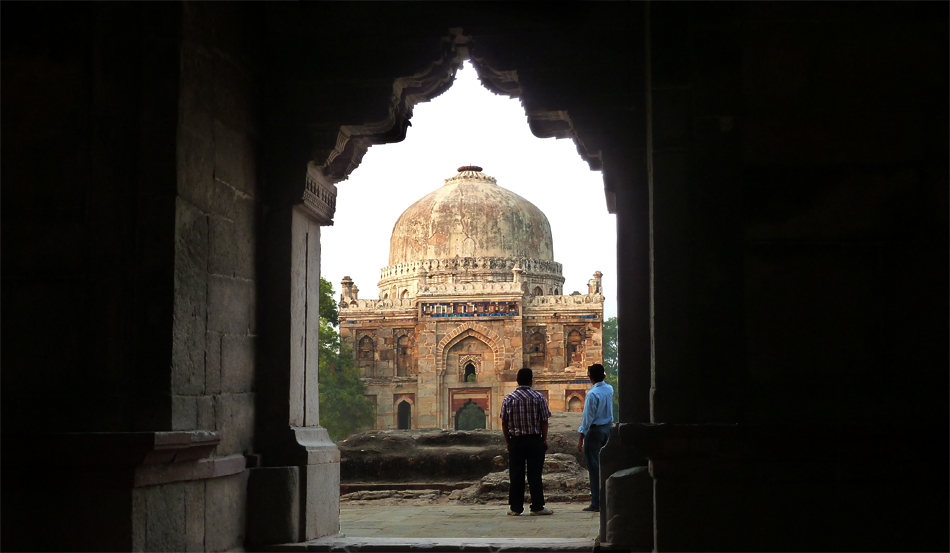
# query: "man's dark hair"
[[525, 376], [596, 371]]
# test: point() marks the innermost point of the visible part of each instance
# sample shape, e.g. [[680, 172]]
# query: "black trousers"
[[526, 451]]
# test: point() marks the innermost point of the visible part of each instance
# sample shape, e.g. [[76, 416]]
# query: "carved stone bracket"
[[320, 200], [352, 141]]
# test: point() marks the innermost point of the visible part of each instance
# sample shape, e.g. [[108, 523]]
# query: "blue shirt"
[[598, 406]]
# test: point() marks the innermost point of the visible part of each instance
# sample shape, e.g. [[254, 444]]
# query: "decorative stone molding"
[[461, 332], [464, 360], [432, 267], [371, 333], [353, 140], [319, 198], [581, 299], [334, 164], [504, 83], [542, 122], [357, 306], [470, 173]]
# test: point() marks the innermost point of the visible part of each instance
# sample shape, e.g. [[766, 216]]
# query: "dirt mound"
[[433, 455], [563, 480]]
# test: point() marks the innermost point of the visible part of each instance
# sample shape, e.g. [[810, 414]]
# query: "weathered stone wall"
[[434, 384], [216, 216], [129, 306]]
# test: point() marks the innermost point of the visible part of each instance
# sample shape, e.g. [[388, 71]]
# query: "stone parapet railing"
[[471, 288], [355, 306], [479, 264], [552, 301]]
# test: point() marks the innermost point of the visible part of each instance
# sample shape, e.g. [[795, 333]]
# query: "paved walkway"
[[466, 521]]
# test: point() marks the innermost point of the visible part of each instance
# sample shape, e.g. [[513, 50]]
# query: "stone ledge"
[[121, 459], [110, 448], [151, 475], [493, 545]]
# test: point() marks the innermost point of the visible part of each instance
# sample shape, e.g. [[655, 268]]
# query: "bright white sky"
[[468, 125]]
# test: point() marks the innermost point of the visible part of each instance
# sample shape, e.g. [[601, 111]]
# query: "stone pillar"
[[347, 289], [629, 194], [594, 285], [296, 451]]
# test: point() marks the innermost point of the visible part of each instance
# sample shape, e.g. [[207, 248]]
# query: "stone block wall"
[[142, 264], [217, 212]]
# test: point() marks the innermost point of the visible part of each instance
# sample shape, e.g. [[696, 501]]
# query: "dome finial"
[[470, 168]]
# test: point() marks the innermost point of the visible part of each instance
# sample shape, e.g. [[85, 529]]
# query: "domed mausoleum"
[[471, 294]]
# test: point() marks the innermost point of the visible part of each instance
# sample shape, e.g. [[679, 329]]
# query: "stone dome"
[[471, 216]]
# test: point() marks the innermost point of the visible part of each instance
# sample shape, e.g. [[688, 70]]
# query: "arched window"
[[470, 373], [536, 350], [575, 405], [575, 347], [403, 356], [404, 416], [405, 294], [364, 355], [538, 291], [385, 296]]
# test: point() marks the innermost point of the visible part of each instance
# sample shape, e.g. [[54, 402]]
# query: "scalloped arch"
[[332, 164]]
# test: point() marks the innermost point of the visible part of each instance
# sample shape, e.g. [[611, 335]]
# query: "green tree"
[[328, 309], [344, 409], [611, 361]]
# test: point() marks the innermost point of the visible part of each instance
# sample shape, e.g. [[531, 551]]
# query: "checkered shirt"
[[524, 410]]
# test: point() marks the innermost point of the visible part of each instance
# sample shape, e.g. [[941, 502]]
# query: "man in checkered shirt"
[[524, 424]]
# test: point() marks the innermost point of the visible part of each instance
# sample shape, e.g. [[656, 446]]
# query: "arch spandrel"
[[459, 333]]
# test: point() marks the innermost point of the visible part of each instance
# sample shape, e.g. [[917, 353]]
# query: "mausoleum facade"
[[471, 294]]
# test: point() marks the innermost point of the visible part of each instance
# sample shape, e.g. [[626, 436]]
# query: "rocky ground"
[[397, 467]]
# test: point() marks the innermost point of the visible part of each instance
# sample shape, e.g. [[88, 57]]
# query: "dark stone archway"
[[404, 416]]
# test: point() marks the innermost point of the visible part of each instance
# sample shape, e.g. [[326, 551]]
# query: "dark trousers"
[[594, 441], [526, 451]]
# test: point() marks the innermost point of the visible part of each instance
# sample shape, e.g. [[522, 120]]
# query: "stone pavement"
[[467, 521], [458, 527]]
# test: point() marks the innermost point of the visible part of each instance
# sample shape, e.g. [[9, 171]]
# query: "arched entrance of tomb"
[[404, 416], [470, 417]]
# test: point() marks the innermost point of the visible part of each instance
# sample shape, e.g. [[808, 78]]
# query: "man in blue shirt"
[[595, 428]]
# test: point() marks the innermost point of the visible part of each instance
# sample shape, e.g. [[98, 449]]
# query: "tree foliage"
[[328, 309], [611, 361], [344, 409]]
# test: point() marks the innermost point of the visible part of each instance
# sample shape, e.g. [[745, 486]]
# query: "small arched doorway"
[[470, 373], [404, 416], [575, 405], [470, 417]]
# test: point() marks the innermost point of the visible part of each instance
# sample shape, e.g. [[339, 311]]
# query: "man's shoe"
[[591, 509], [544, 511], [512, 513]]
